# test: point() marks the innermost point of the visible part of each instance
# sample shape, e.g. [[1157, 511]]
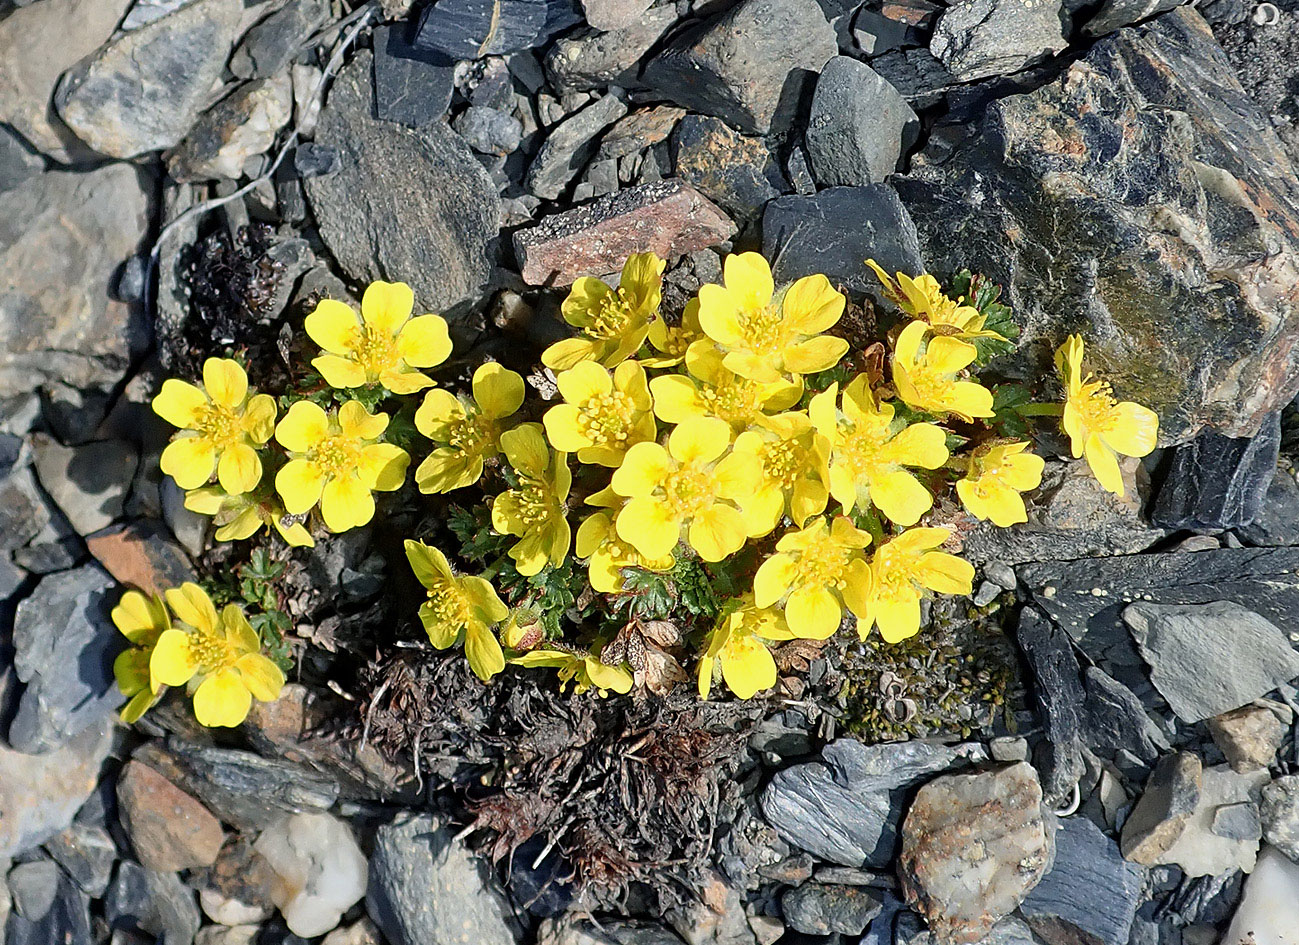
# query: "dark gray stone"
[[750, 65], [859, 126], [427, 889], [412, 86], [23, 510], [410, 205], [1279, 813], [64, 650], [821, 909], [17, 162], [587, 59], [1059, 695], [1216, 481], [1116, 14], [569, 145], [735, 171], [471, 29], [87, 852], [607, 15], [1206, 659], [274, 42], [835, 231], [976, 39], [916, 74], [1277, 522], [314, 160], [846, 808], [1114, 719], [141, 900], [1090, 893], [1043, 198], [488, 131], [67, 922], [34, 886], [88, 483]]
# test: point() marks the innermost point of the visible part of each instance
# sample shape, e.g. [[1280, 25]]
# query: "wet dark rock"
[[1090, 895], [240, 127], [735, 171], [976, 39], [916, 74], [488, 131], [835, 231], [1115, 14], [846, 807], [1115, 720], [750, 65], [821, 909], [546, 888], [143, 91], [859, 125], [1059, 695], [1277, 522], [1203, 900], [425, 887], [66, 922], [1206, 659], [1171, 795], [274, 42], [64, 650], [569, 145], [412, 205], [17, 163], [586, 59], [412, 86], [471, 29], [314, 160], [1040, 199], [667, 217], [87, 852], [1216, 481], [34, 886], [39, 794], [141, 900]]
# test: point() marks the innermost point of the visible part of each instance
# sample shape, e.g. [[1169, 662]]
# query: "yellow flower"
[[142, 620], [716, 391], [672, 341], [222, 424], [869, 449], [927, 380], [240, 516], [458, 606], [738, 643], [603, 414], [815, 573], [794, 459], [767, 338], [901, 571], [923, 298], [688, 486], [222, 652], [534, 510], [612, 323], [470, 430], [607, 554], [582, 669], [384, 345], [1098, 427], [336, 461], [998, 474]]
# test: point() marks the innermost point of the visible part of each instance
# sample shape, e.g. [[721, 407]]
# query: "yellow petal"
[[446, 469], [748, 279], [584, 381], [497, 390], [483, 599], [242, 526], [568, 353], [564, 428], [644, 467], [747, 667], [812, 305], [302, 427], [385, 306], [719, 316], [762, 511], [858, 589], [900, 496], [907, 347], [947, 355], [1072, 424], [428, 563], [438, 414], [717, 531], [299, 484], [424, 341], [179, 403], [383, 466], [921, 444], [809, 498], [738, 476], [190, 460], [483, 651], [222, 700], [441, 633], [969, 399], [1131, 429], [139, 618], [333, 326], [699, 440], [760, 367], [404, 382], [944, 573], [773, 580], [239, 470], [525, 448], [295, 535], [139, 704], [648, 526], [1104, 465], [346, 503], [261, 676], [205, 501], [340, 373], [815, 354], [584, 296], [238, 632], [898, 617], [225, 381], [259, 418], [823, 413], [675, 398], [813, 613], [172, 662], [603, 677], [355, 421]]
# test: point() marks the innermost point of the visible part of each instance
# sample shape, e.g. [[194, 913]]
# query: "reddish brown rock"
[[142, 555], [169, 830], [666, 217]]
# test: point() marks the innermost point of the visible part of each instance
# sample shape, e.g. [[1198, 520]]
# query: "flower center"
[[448, 605], [736, 403], [534, 501], [220, 425], [864, 449], [824, 564], [893, 572], [335, 455], [606, 419], [763, 328], [783, 461], [677, 341], [1095, 404], [471, 434], [375, 350], [931, 386], [210, 653], [611, 316], [689, 490]]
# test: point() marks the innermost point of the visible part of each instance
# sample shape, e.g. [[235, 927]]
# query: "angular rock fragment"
[[613, 14], [157, 904], [471, 29], [825, 909], [859, 125], [586, 60], [1223, 832], [1216, 481], [1279, 814], [170, 831], [976, 39], [735, 171], [1171, 795], [569, 145], [1249, 736], [319, 871], [39, 794], [412, 86], [241, 126], [274, 42], [1058, 692], [1116, 14]]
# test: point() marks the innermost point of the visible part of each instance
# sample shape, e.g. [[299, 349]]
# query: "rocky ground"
[[1097, 749]]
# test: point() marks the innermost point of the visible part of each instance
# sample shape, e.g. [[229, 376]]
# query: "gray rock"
[[471, 29], [846, 807], [1090, 894], [1217, 481], [1047, 176], [1237, 822], [1209, 658], [1210, 846], [735, 171], [1277, 522], [24, 513], [976, 39], [412, 86], [1249, 737], [1059, 696], [37, 45], [17, 163], [586, 60], [568, 930], [1116, 14], [973, 846], [39, 794], [859, 126], [58, 322], [714, 915], [87, 852], [427, 889], [240, 127], [273, 43], [820, 909], [749, 65], [918, 76], [66, 922], [1279, 813], [607, 15], [88, 483], [835, 231], [1115, 720], [34, 886], [143, 91], [140, 900], [1160, 817], [488, 131], [570, 144], [64, 650], [146, 11], [409, 205]]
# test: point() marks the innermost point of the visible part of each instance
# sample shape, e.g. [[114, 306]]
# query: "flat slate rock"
[[412, 86], [1059, 695]]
